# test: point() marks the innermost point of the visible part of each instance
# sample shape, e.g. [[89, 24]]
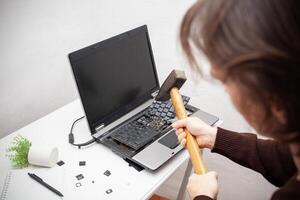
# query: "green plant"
[[19, 152]]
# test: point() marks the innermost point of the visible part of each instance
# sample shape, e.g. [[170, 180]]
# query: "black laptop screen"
[[115, 76]]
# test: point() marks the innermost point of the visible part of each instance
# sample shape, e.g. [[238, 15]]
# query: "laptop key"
[[166, 110], [169, 114]]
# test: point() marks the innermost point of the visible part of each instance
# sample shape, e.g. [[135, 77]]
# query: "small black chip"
[[79, 177], [78, 184], [60, 163], [81, 163], [107, 173], [108, 191]]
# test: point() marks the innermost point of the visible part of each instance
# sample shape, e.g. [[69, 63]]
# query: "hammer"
[[170, 89]]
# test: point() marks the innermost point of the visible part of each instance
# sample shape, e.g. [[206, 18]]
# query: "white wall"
[[37, 35]]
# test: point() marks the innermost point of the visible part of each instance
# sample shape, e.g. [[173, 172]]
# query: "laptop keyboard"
[[140, 131]]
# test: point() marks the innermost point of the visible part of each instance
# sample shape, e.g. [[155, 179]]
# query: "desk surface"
[[136, 185], [53, 129]]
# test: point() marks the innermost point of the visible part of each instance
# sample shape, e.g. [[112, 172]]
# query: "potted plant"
[[19, 152], [23, 153]]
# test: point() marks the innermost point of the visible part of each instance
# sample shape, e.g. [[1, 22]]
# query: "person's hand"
[[205, 134], [206, 184]]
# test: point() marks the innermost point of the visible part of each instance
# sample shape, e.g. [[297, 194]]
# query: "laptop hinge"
[[98, 128], [154, 94]]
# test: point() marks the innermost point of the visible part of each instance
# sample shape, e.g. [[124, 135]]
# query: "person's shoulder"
[[290, 191]]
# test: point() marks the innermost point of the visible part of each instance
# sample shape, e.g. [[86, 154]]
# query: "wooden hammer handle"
[[191, 143]]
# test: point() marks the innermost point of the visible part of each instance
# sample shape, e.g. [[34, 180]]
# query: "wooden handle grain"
[[191, 143]]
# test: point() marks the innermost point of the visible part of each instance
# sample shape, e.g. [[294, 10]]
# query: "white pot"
[[43, 155]]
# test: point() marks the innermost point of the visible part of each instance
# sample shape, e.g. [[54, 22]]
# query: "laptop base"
[[156, 153]]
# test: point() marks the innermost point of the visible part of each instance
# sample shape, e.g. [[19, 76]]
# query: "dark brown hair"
[[254, 43]]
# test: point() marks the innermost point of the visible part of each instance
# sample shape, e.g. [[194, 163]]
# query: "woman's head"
[[254, 48]]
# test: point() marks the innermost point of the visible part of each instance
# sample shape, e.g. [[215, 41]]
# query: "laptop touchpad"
[[170, 140]]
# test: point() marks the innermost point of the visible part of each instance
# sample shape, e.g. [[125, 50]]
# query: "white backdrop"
[[37, 35], [35, 78]]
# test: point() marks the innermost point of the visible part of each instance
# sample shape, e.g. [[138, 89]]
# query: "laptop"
[[117, 83]]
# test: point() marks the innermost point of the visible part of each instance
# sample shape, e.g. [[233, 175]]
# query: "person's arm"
[[268, 157]]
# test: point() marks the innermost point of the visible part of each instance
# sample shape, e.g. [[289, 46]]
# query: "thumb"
[[180, 123]]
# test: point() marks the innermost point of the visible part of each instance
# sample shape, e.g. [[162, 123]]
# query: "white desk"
[[54, 129]]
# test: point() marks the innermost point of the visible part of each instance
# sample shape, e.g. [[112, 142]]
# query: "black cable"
[[71, 136]]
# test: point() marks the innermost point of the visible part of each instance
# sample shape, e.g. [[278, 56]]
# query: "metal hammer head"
[[175, 79]]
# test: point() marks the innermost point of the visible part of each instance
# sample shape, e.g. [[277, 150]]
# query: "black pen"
[[38, 179]]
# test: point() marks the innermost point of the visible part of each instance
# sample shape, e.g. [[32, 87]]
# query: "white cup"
[[44, 155]]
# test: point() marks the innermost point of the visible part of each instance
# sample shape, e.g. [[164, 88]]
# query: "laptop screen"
[[115, 76]]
